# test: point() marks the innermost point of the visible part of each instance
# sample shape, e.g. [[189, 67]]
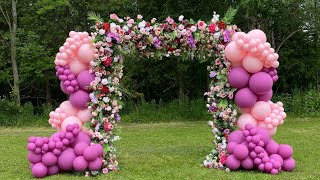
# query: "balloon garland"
[[89, 68]]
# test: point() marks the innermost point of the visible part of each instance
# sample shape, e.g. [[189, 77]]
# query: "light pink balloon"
[[76, 67], [258, 34], [245, 119], [68, 109], [261, 110], [252, 64], [86, 53], [271, 131], [70, 121], [235, 36], [84, 115], [233, 53]]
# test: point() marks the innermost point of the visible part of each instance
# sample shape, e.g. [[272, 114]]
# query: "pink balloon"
[[252, 64], [245, 110], [79, 99], [86, 53], [233, 53], [68, 109], [236, 64], [258, 34], [76, 67], [84, 115], [261, 110], [70, 121], [271, 131], [235, 36], [245, 119]]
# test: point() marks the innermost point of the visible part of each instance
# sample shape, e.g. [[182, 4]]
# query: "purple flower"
[[156, 42], [114, 36], [93, 98], [226, 131], [118, 117], [191, 42], [226, 36], [212, 74]]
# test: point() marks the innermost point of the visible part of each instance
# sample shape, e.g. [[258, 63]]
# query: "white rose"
[[181, 17]]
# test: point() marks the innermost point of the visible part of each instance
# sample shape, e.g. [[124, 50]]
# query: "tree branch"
[[6, 17], [278, 48]]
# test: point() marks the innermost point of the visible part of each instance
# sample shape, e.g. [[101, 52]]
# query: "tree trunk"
[[16, 89]]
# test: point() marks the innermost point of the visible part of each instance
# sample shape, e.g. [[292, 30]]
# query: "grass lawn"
[[170, 151]]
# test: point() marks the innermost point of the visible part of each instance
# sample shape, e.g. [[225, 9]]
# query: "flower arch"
[[90, 67]]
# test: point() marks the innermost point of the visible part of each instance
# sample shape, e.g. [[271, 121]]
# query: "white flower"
[[210, 123], [183, 32], [125, 28], [216, 35], [108, 39], [108, 108], [106, 99], [102, 31], [142, 24], [142, 30], [120, 20], [193, 28], [215, 17], [104, 81], [113, 25], [111, 89], [181, 17]]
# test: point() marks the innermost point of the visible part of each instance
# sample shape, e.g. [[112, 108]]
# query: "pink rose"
[[169, 20], [139, 16], [114, 16], [202, 25]]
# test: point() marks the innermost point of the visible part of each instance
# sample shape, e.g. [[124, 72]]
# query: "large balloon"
[[252, 64], [79, 99], [258, 34], [76, 67], [260, 83], [245, 98], [39, 170], [233, 52], [238, 77], [70, 121], [245, 119], [65, 160], [84, 79], [261, 110], [84, 115], [68, 109], [86, 53], [265, 97]]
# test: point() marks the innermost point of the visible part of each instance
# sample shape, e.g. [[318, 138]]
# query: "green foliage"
[[230, 15], [94, 17]]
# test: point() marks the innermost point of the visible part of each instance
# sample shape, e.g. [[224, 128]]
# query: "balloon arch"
[[243, 69]]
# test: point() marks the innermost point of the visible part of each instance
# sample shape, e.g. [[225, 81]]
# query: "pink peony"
[[114, 16], [169, 20], [139, 16], [202, 25]]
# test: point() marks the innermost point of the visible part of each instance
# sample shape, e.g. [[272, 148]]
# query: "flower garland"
[[119, 37]]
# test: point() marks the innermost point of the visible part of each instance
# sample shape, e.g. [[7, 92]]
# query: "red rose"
[[106, 26], [105, 90], [170, 48], [105, 126], [147, 24], [223, 159], [212, 27], [222, 25], [107, 62]]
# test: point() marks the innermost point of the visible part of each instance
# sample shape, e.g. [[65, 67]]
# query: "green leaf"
[[229, 16], [94, 17]]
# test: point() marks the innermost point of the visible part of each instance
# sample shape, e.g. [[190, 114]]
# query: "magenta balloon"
[[245, 98], [65, 160], [82, 137], [277, 157], [79, 99], [247, 163], [236, 136], [84, 79], [90, 153], [95, 165], [99, 148], [232, 163], [265, 136], [238, 77], [266, 97], [230, 147], [289, 164], [53, 170], [260, 83], [33, 157], [39, 170], [31, 146], [241, 152], [285, 151], [49, 159], [79, 148], [80, 164], [63, 88], [272, 147]]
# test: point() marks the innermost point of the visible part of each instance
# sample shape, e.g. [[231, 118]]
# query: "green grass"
[[170, 151]]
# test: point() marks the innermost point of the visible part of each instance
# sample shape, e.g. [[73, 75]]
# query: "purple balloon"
[[265, 136], [79, 99], [70, 89], [80, 164], [232, 163], [64, 88], [272, 147], [49, 159], [67, 83], [74, 83], [79, 148], [53, 170], [82, 137], [60, 70], [63, 77], [84, 79], [240, 152], [33, 157], [238, 77], [71, 77], [67, 72], [289, 164], [95, 165], [39, 170], [278, 158], [31, 146], [230, 147], [99, 148], [266, 97], [268, 166], [245, 98], [260, 83], [65, 160], [236, 136], [247, 163], [285, 151], [90, 153]]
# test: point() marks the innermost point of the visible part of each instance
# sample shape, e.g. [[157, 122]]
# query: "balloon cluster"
[[253, 148], [67, 114], [272, 72], [69, 83], [63, 151]]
